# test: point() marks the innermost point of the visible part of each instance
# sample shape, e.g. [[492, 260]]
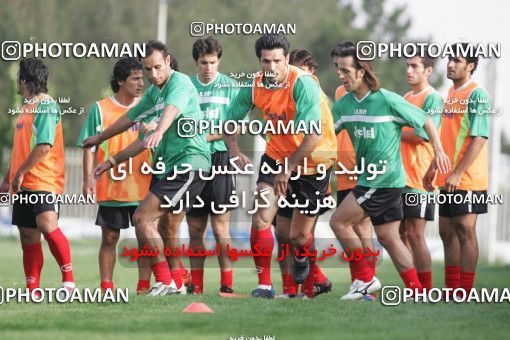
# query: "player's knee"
[[338, 225], [363, 230], [139, 219], [466, 234], [110, 239], [195, 231], [299, 238], [414, 236], [260, 222]]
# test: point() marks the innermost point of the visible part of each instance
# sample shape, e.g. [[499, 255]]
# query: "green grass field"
[[325, 317]]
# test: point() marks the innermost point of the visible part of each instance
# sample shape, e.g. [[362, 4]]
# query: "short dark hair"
[[427, 60], [335, 52], [303, 57], [154, 45], [208, 45], [271, 42], [370, 78], [470, 58], [174, 65], [122, 70], [35, 74]]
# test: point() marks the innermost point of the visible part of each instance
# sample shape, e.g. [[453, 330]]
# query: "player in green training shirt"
[[374, 118], [170, 100], [215, 93]]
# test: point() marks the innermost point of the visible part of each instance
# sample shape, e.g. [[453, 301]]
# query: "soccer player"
[[306, 62], [417, 154], [374, 118], [37, 169], [285, 93], [464, 134], [171, 100], [117, 199], [345, 182], [215, 93]]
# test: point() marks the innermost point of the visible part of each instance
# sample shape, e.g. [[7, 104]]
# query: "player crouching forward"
[[374, 118], [171, 98], [284, 93], [306, 62]]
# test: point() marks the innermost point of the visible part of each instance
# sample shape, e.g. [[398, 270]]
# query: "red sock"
[[183, 269], [106, 285], [197, 276], [289, 286], [319, 275], [33, 261], [143, 285], [162, 272], [59, 246], [265, 242], [177, 277], [307, 286], [411, 280], [361, 270], [466, 281], [227, 278], [451, 276], [425, 280]]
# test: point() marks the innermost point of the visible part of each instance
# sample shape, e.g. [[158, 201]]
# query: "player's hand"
[[442, 162], [452, 181], [17, 181], [4, 187], [280, 184], [153, 140], [241, 161], [146, 128], [429, 178], [89, 187], [100, 168], [92, 141]]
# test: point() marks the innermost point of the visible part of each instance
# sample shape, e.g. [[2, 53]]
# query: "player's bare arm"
[[131, 151], [441, 161], [89, 185], [121, 125], [167, 119], [4, 187]]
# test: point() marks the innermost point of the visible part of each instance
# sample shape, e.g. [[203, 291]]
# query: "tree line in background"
[[319, 26]]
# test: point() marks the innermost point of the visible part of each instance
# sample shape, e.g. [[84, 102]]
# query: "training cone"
[[198, 307]]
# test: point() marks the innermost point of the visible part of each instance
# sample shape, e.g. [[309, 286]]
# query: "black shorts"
[[305, 188], [181, 191], [341, 195], [383, 205], [449, 208], [414, 207], [24, 213], [219, 189], [115, 217]]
